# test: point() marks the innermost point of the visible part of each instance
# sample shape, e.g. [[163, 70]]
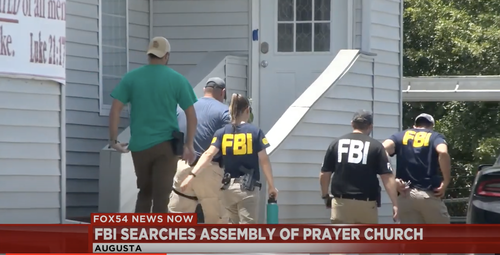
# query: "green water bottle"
[[272, 210]]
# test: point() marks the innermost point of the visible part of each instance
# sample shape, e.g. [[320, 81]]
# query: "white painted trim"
[[101, 102], [350, 24], [63, 153], [254, 79], [103, 108], [127, 33], [151, 20], [401, 21], [366, 23]]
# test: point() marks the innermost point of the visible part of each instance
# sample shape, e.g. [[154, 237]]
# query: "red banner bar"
[[298, 234], [395, 238], [44, 238]]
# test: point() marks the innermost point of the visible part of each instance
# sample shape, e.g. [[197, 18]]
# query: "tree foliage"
[[456, 37]]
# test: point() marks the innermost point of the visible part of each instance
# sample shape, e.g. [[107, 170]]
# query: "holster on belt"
[[226, 181], [177, 143], [247, 181]]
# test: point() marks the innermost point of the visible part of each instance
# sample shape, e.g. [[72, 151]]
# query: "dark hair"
[[153, 56], [423, 122], [361, 125], [238, 105]]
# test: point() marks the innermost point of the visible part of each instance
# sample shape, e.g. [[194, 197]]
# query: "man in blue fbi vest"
[[421, 152]]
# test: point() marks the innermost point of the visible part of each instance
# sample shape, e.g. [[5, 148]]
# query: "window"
[[304, 25], [114, 47]]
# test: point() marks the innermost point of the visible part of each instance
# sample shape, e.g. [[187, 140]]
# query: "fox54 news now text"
[[167, 233]]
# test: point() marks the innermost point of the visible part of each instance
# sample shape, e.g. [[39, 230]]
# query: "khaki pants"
[[242, 207], [422, 207], [350, 211], [155, 170], [205, 186]]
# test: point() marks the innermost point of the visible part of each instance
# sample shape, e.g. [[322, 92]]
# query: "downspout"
[[151, 19], [101, 98], [350, 24], [63, 152], [254, 63], [366, 14]]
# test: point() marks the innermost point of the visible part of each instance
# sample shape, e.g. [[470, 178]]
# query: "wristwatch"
[[112, 142]]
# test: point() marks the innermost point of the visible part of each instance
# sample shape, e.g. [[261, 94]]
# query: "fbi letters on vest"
[[356, 150]]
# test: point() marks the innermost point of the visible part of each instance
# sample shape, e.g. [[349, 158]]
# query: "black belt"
[[184, 195], [355, 197]]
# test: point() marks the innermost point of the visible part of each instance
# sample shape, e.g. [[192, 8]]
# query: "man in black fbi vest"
[[355, 160]]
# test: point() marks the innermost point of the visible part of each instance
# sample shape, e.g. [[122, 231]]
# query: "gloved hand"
[[328, 201]]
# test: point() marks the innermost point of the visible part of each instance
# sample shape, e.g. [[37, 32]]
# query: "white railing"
[[451, 88], [117, 180]]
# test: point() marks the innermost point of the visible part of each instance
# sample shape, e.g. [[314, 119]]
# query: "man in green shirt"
[[154, 91]]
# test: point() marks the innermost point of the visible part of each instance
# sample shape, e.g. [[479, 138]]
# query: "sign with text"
[[33, 39]]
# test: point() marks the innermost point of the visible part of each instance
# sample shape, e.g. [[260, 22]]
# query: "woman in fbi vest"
[[243, 148]]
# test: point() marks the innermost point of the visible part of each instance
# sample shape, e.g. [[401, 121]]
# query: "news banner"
[[180, 233]]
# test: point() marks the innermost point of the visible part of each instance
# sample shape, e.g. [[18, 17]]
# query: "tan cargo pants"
[[422, 207], [242, 207], [350, 211], [205, 186]]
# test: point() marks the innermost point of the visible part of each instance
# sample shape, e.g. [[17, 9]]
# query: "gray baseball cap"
[[426, 116], [215, 82], [363, 116]]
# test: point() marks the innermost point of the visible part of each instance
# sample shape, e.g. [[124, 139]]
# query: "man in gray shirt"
[[212, 115]]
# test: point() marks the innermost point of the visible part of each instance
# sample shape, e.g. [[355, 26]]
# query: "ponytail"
[[238, 104], [233, 108]]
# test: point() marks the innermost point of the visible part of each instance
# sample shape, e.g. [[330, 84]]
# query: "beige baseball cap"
[[159, 46]]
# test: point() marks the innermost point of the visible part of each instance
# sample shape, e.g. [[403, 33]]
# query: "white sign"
[[33, 39]]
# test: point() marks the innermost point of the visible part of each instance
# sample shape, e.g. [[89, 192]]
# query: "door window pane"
[[303, 25], [322, 37], [303, 37], [285, 37], [285, 10], [322, 9], [303, 10]]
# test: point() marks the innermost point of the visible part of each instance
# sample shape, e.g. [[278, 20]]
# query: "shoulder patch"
[[214, 140], [264, 141]]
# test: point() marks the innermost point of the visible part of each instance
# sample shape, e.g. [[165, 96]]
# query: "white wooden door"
[[298, 39]]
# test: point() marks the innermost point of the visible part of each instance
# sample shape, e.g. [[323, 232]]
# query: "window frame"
[[295, 22], [104, 109]]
